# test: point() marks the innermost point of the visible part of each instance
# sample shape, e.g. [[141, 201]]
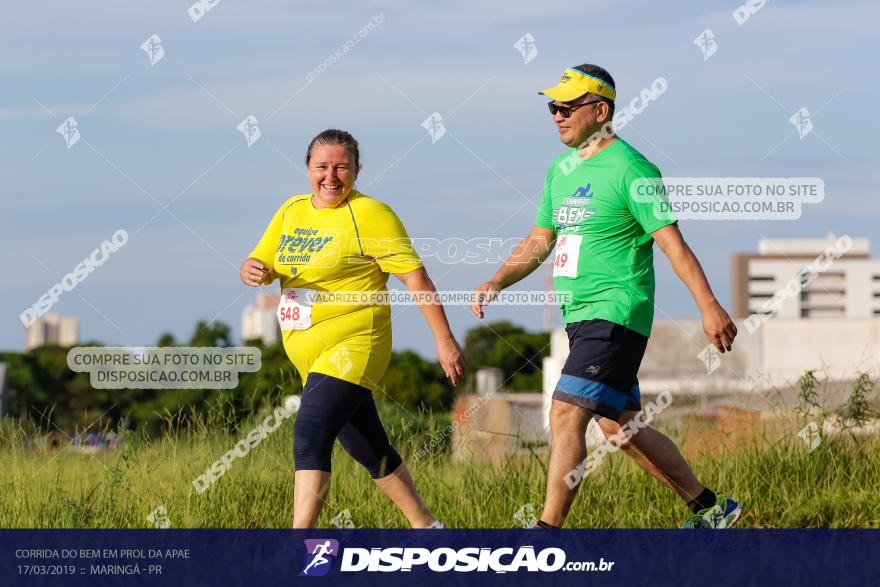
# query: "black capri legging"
[[332, 408]]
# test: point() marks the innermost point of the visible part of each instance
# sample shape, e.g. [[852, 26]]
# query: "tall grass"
[[778, 481]]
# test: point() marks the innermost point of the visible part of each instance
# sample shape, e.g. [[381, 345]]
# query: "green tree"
[[211, 334], [512, 349], [413, 382]]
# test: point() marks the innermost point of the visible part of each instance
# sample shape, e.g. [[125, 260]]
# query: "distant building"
[[848, 288], [52, 329], [260, 321]]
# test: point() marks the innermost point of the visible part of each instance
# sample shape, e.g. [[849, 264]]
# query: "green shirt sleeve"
[[544, 215], [383, 237], [644, 194], [269, 242]]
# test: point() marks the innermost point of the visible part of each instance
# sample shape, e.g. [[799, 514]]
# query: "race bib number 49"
[[568, 248], [295, 308]]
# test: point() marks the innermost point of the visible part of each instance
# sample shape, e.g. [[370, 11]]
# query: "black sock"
[[705, 500], [546, 526]]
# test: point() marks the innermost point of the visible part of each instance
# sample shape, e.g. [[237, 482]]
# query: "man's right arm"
[[527, 256]]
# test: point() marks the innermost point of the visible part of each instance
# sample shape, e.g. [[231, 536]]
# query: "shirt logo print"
[[574, 209]]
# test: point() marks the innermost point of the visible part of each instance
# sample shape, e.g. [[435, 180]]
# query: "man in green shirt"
[[604, 238]]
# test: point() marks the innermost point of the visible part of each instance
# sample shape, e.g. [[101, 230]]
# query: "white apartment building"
[[52, 329], [848, 287], [260, 321]]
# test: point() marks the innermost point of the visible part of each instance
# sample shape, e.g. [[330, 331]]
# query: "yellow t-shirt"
[[351, 248]]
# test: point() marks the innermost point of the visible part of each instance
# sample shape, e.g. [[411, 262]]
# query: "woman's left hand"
[[451, 359]]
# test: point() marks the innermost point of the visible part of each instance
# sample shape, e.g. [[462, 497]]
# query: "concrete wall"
[[838, 347], [490, 428], [495, 425], [673, 350], [774, 355]]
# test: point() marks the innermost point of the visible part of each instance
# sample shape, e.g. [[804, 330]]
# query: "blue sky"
[[152, 135]]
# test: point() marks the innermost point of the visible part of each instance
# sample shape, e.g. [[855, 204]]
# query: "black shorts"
[[601, 372], [331, 408]]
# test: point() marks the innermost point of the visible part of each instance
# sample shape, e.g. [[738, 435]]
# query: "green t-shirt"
[[604, 249]]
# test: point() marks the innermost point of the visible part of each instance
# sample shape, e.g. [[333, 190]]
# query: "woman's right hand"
[[253, 272], [451, 359]]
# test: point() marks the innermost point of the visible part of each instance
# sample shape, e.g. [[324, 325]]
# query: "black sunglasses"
[[566, 111]]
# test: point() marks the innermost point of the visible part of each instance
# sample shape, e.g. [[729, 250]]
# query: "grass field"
[[779, 482]]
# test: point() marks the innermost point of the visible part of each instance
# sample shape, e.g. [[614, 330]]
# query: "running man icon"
[[319, 551]]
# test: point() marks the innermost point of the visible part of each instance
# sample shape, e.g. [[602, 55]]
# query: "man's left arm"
[[717, 325]]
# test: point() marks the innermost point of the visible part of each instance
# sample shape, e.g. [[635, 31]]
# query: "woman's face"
[[332, 173]]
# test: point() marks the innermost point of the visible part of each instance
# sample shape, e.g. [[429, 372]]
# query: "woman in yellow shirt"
[[336, 240]]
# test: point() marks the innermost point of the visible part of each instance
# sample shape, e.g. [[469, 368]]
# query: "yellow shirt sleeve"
[[383, 237], [268, 245]]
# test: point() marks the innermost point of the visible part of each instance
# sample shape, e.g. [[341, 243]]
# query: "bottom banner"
[[429, 557]]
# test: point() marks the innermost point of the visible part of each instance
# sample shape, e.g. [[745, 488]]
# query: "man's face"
[[583, 121]]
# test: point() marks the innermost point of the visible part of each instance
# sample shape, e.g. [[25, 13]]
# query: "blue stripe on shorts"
[[598, 397]]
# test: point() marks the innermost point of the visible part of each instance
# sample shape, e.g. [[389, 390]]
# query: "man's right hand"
[[253, 272], [484, 294]]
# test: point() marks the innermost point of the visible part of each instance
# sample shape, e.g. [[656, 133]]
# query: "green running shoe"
[[717, 516]]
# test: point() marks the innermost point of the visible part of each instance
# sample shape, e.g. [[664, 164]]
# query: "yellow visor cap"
[[573, 84]]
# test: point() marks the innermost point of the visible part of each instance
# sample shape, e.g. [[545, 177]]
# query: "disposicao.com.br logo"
[[442, 560]]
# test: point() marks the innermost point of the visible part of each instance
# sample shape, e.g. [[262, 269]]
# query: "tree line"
[[44, 391]]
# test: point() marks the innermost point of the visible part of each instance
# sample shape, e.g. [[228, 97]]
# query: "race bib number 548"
[[295, 308], [568, 248]]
